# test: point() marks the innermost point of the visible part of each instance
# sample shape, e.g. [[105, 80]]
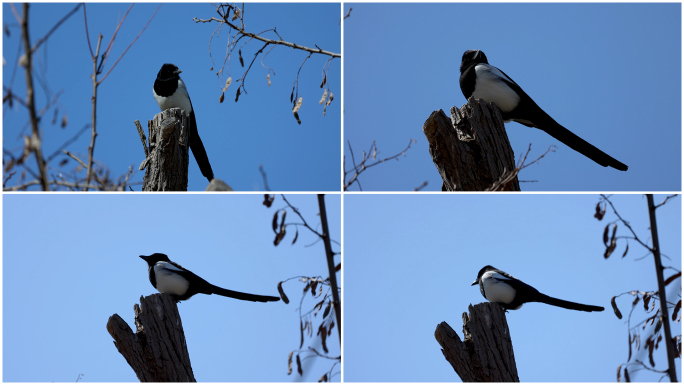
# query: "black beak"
[[474, 282]]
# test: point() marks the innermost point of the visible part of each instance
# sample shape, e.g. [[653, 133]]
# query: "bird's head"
[[168, 71], [472, 56], [482, 272], [154, 258]]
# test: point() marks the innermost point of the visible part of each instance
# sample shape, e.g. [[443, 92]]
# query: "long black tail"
[[242, 296], [580, 145], [198, 149], [568, 304]]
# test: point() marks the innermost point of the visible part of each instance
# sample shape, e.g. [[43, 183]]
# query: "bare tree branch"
[[507, 178], [345, 16], [357, 170], [268, 41], [93, 123], [650, 299], [263, 175], [35, 144], [225, 18], [665, 201], [54, 28], [314, 288], [97, 69], [129, 45], [625, 223], [67, 143]]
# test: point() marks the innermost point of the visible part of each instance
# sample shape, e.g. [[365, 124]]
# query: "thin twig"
[[16, 13], [108, 50], [626, 223], [11, 95], [301, 217], [67, 143], [418, 188], [345, 16], [58, 183], [327, 357], [295, 86], [507, 178], [263, 175], [83, 165], [665, 201], [85, 20], [47, 35], [42, 112], [130, 45], [143, 138], [244, 76], [7, 177], [362, 166], [125, 181], [93, 124]]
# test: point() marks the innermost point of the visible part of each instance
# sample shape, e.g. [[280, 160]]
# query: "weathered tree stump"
[[166, 165], [472, 151], [167, 158], [486, 353], [157, 352]]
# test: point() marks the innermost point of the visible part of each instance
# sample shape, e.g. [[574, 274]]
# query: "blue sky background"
[[410, 262], [71, 261], [611, 73], [258, 129]]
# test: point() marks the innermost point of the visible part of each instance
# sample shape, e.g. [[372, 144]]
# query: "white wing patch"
[[168, 281], [179, 99], [490, 86], [495, 290]]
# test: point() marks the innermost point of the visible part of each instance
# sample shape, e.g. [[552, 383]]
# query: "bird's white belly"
[[489, 87], [179, 99], [170, 282], [496, 291]]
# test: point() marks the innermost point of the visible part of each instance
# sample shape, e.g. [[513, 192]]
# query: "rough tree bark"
[[166, 160], [166, 165], [472, 151], [486, 353], [157, 352]]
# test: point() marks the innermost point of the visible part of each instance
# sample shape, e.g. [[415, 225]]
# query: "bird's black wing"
[[511, 83], [197, 147], [522, 290], [193, 279]]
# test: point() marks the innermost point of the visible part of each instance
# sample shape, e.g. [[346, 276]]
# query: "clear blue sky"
[[410, 262], [71, 261], [611, 73], [258, 129]]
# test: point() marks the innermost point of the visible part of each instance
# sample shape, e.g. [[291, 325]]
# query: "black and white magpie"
[[169, 277], [483, 81], [499, 287], [170, 92]]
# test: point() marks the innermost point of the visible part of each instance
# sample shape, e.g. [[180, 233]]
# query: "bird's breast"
[[490, 86], [497, 291], [179, 99], [170, 282]]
